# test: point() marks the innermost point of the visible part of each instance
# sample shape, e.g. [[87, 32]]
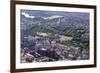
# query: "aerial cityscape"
[[48, 36]]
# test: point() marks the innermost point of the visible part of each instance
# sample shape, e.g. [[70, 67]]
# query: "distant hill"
[[53, 21]]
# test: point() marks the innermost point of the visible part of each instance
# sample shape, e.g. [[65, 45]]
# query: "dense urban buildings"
[[54, 36]]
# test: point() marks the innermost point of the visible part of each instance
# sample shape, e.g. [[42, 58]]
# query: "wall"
[[5, 36]]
